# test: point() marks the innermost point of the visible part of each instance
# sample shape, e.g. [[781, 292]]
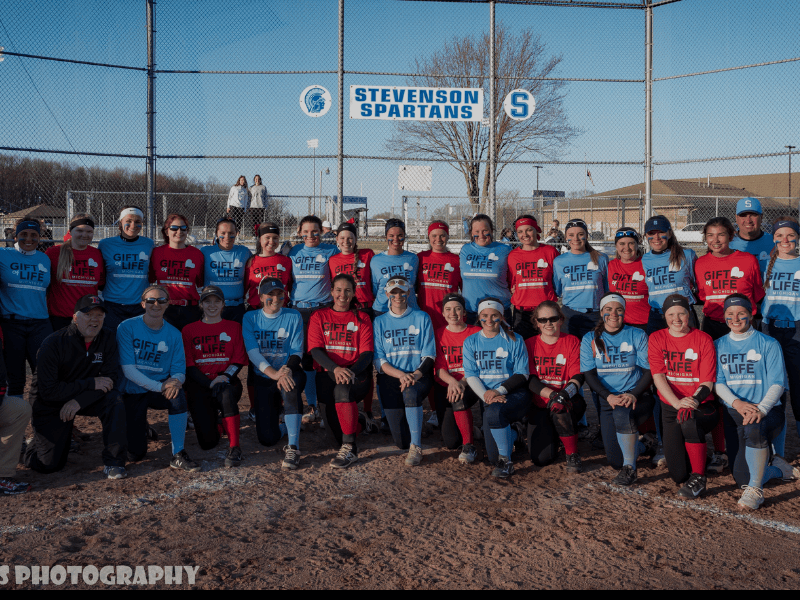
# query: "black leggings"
[[270, 399], [545, 429], [451, 434], [330, 393], [693, 431], [203, 408], [622, 420], [394, 404]]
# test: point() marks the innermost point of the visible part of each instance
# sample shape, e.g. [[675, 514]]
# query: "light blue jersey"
[[225, 269], [383, 267], [23, 283], [759, 248], [484, 272], [494, 360], [312, 277], [782, 302], [274, 337], [621, 370], [664, 280], [403, 341], [127, 265], [579, 282], [751, 366], [158, 355]]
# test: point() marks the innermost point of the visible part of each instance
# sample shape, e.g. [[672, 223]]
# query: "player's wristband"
[[571, 389], [702, 393]]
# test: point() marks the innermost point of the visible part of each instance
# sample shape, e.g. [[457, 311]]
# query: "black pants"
[[714, 328], [308, 362], [755, 435], [269, 401], [136, 406], [523, 324], [51, 436], [545, 429], [180, 316], [394, 403], [21, 341], [330, 393], [117, 313], [445, 412], [203, 407], [693, 431], [500, 416], [622, 420], [234, 313]]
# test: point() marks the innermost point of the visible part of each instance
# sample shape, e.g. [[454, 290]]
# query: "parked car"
[[691, 234]]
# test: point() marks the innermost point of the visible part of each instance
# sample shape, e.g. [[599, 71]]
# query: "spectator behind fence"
[[259, 204], [238, 201]]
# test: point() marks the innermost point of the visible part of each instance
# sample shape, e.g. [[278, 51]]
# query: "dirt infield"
[[380, 524]]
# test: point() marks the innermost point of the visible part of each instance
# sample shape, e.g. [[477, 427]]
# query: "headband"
[[577, 223], [395, 223], [790, 224], [675, 300], [454, 298], [81, 221], [527, 221], [131, 211], [347, 227], [263, 229], [611, 298], [438, 225], [490, 304], [737, 301], [29, 225]]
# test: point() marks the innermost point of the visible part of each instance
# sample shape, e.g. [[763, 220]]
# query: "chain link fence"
[[226, 82]]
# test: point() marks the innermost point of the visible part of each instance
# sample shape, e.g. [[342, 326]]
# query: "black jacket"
[[66, 369]]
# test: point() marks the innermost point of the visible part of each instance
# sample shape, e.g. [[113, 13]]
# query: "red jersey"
[[180, 271], [449, 352], [439, 274], [687, 361], [86, 274], [530, 274], [212, 348], [339, 263], [555, 364], [340, 335], [718, 278], [277, 266], [629, 282]]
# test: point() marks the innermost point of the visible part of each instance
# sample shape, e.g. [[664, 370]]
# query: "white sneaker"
[[659, 460], [752, 498], [789, 472], [468, 454]]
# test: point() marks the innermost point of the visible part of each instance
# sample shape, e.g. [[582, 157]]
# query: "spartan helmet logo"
[[315, 100]]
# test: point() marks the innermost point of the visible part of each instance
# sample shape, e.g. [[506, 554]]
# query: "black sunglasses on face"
[[543, 320], [161, 300], [178, 227]]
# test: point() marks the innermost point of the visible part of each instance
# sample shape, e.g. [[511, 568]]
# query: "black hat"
[[454, 297], [269, 284], [657, 223], [211, 290], [88, 302]]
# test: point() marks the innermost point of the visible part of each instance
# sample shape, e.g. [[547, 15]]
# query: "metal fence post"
[[405, 212], [70, 206], [648, 124], [492, 118], [151, 113], [340, 185]]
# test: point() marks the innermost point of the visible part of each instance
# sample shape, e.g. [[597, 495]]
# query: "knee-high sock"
[[311, 388], [231, 425], [779, 443], [697, 457], [348, 417], [177, 430], [293, 429], [502, 437], [570, 444], [464, 421], [757, 464], [414, 415], [628, 443], [718, 436]]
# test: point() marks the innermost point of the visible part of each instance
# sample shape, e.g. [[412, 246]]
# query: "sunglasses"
[[626, 233], [161, 300], [543, 320], [580, 224], [178, 228]]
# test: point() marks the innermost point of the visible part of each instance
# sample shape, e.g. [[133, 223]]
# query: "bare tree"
[[521, 63]]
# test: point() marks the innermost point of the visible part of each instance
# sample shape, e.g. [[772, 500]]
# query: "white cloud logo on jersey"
[[625, 347], [737, 272], [502, 353], [224, 337], [690, 354], [189, 263], [560, 360], [753, 356]]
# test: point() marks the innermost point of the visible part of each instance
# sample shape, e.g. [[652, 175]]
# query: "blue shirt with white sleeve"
[[782, 302], [751, 366], [24, 277], [663, 279], [403, 341], [157, 354], [579, 282], [312, 277], [494, 360], [384, 267], [619, 368], [275, 337]]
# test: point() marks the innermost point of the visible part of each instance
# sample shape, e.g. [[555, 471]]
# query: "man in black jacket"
[[77, 375]]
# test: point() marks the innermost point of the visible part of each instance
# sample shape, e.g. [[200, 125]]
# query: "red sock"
[[570, 444], [221, 430], [718, 434], [431, 400], [648, 426], [697, 457], [368, 397], [348, 417], [231, 425], [464, 422]]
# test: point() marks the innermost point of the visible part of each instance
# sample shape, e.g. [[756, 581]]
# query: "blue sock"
[[282, 427], [771, 473], [627, 443], [757, 463], [311, 388], [779, 443], [414, 415], [501, 438], [293, 429], [177, 431]]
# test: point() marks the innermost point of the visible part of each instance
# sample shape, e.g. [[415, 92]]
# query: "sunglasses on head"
[[161, 300], [626, 233], [178, 228], [543, 320], [580, 224]]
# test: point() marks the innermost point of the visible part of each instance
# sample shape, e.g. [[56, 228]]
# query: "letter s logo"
[[519, 105]]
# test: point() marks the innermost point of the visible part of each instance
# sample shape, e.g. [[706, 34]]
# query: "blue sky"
[[103, 110]]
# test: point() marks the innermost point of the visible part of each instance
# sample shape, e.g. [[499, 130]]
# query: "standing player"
[[439, 273], [77, 271], [556, 381], [750, 237], [530, 273], [178, 268], [356, 262], [484, 268], [153, 362], [626, 277], [393, 262], [224, 267], [273, 337], [126, 259], [340, 341], [214, 356]]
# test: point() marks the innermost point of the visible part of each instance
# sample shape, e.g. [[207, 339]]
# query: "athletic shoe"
[[233, 458], [789, 472], [345, 458], [468, 454], [650, 442], [312, 416], [434, 420], [251, 414], [574, 464], [694, 487], [659, 460], [189, 423], [11, 487], [115, 472], [503, 469], [752, 498], [292, 459], [522, 433], [368, 424], [718, 463], [182, 462], [151, 434], [414, 456], [626, 477]]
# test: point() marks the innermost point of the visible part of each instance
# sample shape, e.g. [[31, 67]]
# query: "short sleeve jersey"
[[718, 278], [554, 364], [530, 273], [685, 361], [178, 270], [343, 336], [213, 347], [450, 352]]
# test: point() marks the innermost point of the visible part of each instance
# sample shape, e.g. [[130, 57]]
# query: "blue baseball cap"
[[752, 205], [270, 284], [657, 223]]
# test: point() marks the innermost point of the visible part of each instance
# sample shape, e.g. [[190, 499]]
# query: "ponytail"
[[598, 342], [774, 253]]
